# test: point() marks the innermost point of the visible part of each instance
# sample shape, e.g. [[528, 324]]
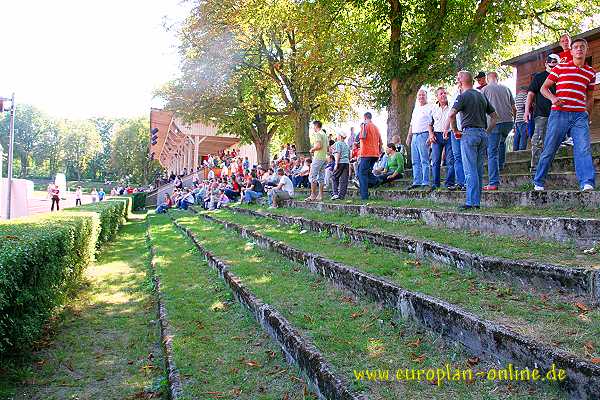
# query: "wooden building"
[[529, 63]]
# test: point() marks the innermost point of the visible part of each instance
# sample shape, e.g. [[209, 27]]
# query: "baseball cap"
[[481, 74], [553, 58], [342, 133]]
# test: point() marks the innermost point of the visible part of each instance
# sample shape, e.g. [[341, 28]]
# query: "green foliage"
[[138, 201], [42, 260], [129, 155], [81, 143]]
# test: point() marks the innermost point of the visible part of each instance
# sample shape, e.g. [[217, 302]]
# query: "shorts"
[[317, 171]]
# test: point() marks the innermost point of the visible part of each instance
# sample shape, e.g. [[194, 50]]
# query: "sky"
[[79, 59]]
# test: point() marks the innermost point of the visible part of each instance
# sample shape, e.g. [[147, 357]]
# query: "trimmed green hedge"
[[139, 201], [42, 259]]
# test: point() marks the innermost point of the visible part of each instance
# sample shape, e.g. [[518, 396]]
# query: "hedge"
[[139, 201], [42, 260]]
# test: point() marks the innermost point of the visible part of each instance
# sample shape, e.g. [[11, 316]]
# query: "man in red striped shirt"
[[571, 108]]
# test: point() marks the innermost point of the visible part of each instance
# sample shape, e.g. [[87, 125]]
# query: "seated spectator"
[[302, 177], [381, 165], [395, 165], [178, 183], [165, 205], [186, 200], [254, 190], [233, 190], [283, 191]]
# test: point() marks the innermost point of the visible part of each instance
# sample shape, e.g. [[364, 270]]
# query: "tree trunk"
[[301, 122], [263, 154], [400, 108], [24, 164]]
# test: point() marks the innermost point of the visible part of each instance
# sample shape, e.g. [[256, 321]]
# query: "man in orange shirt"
[[371, 148]]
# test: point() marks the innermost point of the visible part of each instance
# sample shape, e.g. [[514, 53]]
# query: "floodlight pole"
[[11, 144]]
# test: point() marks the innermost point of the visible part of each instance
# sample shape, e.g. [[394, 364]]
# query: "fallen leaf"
[[251, 363], [271, 353], [418, 359], [130, 362], [544, 297], [584, 317], [355, 315], [595, 360], [416, 343], [473, 361], [589, 346], [582, 307]]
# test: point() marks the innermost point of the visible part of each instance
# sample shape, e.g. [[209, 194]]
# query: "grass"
[[219, 349], [549, 211], [353, 334], [547, 319], [105, 344], [510, 247]]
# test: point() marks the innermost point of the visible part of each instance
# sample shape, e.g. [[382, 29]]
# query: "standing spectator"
[[211, 174], [101, 194], [49, 189], [474, 106], [565, 42], [329, 170], [395, 165], [319, 142], [341, 170], [440, 140], [481, 81], [541, 111], [351, 138], [574, 82], [368, 153], [246, 164], [283, 191], [503, 102], [417, 140], [78, 194], [520, 139], [94, 194], [55, 197]]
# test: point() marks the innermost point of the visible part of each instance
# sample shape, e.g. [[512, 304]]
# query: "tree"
[[307, 50], [98, 167], [428, 41], [81, 142], [50, 147], [30, 123], [129, 154]]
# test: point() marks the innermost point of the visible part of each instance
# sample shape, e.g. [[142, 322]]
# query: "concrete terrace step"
[[478, 334], [585, 232], [559, 164], [562, 152], [500, 198], [579, 281]]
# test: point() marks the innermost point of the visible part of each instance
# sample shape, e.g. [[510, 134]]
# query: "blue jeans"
[[365, 175], [162, 209], [496, 149], [436, 158], [231, 195], [458, 164], [560, 125], [520, 139], [472, 145], [251, 195], [419, 155]]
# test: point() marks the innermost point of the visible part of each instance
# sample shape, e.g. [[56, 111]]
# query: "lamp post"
[[11, 144]]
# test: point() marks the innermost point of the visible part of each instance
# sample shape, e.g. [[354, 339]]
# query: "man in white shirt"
[[440, 141], [283, 191], [418, 133]]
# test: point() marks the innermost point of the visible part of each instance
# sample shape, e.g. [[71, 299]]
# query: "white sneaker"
[[568, 141], [587, 188], [538, 188], [335, 197]]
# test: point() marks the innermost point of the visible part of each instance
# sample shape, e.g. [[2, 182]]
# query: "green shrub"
[[139, 201], [42, 260]]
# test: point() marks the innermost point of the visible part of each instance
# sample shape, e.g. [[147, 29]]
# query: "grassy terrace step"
[[544, 318], [566, 151], [501, 198], [573, 282], [353, 334], [515, 181], [219, 349], [104, 345], [485, 244], [584, 232]]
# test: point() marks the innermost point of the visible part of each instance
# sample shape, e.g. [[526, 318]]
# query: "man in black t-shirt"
[[541, 112], [474, 108], [254, 190]]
